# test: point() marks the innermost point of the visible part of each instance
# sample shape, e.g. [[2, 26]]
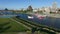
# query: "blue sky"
[[18, 4]]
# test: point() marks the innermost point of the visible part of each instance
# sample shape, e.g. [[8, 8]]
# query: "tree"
[[6, 9], [30, 8], [59, 10]]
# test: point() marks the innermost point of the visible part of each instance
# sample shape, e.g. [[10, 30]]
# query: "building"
[[54, 7], [47, 10]]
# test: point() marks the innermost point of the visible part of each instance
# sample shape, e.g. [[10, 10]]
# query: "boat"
[[40, 16], [30, 17]]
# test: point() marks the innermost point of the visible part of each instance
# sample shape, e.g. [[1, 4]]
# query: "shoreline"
[[54, 15]]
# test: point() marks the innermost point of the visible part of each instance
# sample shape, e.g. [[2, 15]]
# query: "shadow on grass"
[[4, 27]]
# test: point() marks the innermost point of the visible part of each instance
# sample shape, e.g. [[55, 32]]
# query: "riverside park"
[[24, 23], [29, 17]]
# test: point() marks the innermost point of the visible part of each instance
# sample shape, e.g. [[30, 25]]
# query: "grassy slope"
[[15, 27]]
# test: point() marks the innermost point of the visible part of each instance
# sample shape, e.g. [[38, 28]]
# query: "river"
[[51, 22], [48, 21]]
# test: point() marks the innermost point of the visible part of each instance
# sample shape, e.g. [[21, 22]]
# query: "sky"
[[18, 4]]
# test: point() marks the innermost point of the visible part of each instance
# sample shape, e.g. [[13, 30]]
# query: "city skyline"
[[18, 4]]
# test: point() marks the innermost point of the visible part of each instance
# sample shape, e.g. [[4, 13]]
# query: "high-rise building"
[[54, 6]]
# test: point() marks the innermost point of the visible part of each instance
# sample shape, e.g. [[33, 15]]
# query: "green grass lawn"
[[4, 20], [15, 27]]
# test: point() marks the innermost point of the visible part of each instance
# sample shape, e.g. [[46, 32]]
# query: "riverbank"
[[7, 16], [48, 15], [13, 26], [54, 15]]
